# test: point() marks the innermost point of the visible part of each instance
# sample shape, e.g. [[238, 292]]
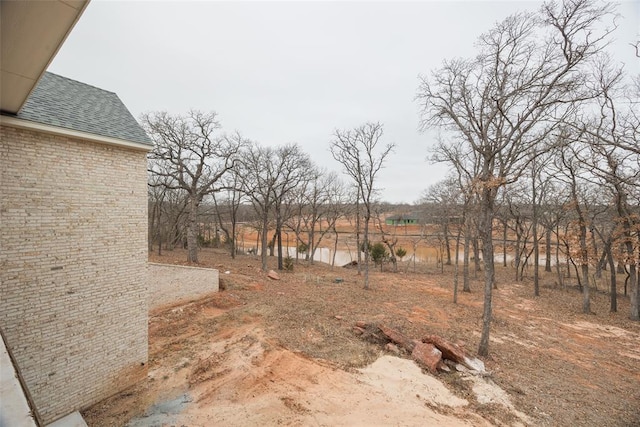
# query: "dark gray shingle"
[[66, 103]]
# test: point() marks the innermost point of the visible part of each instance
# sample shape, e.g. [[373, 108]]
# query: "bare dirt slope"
[[266, 352]]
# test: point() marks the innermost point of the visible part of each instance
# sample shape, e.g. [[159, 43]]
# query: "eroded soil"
[[283, 352]]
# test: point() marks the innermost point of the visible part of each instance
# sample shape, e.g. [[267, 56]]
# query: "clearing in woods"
[[265, 352]]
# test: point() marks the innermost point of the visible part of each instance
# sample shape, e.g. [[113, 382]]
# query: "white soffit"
[[31, 32]]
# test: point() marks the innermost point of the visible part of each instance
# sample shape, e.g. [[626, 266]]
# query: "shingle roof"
[[62, 102], [403, 216]]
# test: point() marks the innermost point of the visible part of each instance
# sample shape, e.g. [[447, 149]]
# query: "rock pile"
[[433, 352]]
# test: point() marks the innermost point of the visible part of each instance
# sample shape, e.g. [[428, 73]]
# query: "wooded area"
[[540, 130]]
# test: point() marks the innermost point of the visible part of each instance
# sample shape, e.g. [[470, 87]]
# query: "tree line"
[[196, 171], [539, 128], [542, 102]]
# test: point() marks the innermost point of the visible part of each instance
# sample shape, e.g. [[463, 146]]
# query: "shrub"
[[288, 263], [400, 252], [379, 253]]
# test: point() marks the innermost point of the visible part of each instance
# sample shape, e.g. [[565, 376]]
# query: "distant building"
[[402, 219]]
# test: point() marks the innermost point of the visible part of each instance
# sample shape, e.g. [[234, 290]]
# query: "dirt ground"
[[265, 352]]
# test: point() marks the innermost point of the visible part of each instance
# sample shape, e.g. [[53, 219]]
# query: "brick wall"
[[73, 252], [170, 284]]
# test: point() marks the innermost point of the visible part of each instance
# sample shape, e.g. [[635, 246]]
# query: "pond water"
[[422, 255], [343, 257]]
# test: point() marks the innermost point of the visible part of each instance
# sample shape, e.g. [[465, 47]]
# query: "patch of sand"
[[245, 382]]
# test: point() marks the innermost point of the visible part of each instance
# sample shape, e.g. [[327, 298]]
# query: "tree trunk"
[[586, 302], [335, 248], [633, 293], [504, 243], [358, 234], [595, 253], [536, 247], [278, 236], [233, 238], [192, 231], [447, 243], [536, 254], [466, 287], [516, 255], [272, 244], [456, 268], [476, 256], [486, 234], [311, 249], [547, 264], [558, 269], [612, 272], [280, 263], [366, 250], [633, 276], [151, 230], [602, 263], [264, 244]]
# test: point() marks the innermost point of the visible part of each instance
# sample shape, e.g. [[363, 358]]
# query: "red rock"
[[361, 324], [358, 330], [338, 317], [273, 275], [427, 355], [455, 353], [449, 350], [398, 338]]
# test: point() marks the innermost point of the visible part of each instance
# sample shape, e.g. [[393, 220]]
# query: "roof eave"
[[59, 131], [20, 77]]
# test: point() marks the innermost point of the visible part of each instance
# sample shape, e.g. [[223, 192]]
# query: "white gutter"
[[55, 130]]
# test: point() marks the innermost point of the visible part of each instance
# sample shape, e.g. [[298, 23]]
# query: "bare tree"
[[540, 182], [551, 215], [570, 165], [506, 101], [167, 212], [292, 170], [258, 177], [157, 196], [268, 175], [227, 210], [611, 133], [466, 168], [190, 156], [446, 195], [518, 200], [361, 155], [315, 199], [336, 208]]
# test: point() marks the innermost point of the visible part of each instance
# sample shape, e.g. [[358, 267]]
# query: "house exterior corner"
[[73, 258]]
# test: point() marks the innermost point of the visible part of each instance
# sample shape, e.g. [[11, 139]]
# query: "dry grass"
[[559, 366]]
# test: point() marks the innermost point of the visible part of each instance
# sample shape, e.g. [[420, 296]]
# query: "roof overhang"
[[31, 33], [70, 133]]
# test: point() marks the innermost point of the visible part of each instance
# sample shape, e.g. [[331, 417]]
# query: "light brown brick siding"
[[73, 254], [171, 284]]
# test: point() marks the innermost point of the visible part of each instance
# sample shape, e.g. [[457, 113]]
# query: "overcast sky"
[[292, 72]]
